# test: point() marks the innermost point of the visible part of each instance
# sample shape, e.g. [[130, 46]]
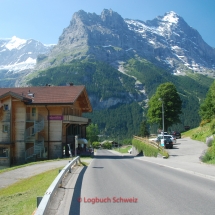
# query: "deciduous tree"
[[167, 94], [92, 133]]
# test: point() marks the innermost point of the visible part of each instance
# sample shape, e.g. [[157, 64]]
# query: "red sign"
[[55, 117]]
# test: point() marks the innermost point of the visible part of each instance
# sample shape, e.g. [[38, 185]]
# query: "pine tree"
[[144, 129]]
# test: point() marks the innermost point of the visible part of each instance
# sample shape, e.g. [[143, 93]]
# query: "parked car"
[[168, 143], [176, 134], [173, 138]]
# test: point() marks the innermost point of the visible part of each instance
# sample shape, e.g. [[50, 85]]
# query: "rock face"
[[167, 41]]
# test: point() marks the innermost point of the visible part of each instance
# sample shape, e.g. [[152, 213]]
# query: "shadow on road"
[[175, 147], [113, 157], [75, 204]]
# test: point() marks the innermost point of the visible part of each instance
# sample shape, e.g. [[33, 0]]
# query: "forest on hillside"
[[103, 82]]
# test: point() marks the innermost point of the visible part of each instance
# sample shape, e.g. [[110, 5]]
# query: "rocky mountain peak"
[[167, 41], [111, 18], [171, 17], [15, 43]]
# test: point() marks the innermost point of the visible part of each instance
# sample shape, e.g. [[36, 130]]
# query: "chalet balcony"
[[75, 119], [33, 117]]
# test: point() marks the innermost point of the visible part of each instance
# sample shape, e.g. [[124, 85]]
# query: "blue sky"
[[44, 20]]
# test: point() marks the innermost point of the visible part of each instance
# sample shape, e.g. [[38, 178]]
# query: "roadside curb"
[[184, 170]]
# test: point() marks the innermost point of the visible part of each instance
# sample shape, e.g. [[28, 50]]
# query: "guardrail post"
[[39, 199], [70, 169]]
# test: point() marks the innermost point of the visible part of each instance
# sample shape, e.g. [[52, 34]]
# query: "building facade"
[[41, 122]]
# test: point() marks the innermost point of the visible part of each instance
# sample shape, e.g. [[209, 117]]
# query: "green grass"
[[148, 150], [20, 198], [123, 149], [200, 133], [209, 156]]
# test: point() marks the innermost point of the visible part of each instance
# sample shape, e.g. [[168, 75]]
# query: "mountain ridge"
[[122, 62], [168, 41]]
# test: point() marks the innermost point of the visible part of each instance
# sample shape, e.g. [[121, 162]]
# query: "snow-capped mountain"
[[19, 54], [167, 41], [178, 43]]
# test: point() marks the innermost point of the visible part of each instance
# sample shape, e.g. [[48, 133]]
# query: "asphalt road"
[[123, 185], [187, 149]]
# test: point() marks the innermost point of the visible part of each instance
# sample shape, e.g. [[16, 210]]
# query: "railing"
[[75, 118], [6, 128], [29, 152], [50, 192], [37, 127], [30, 135], [7, 116], [32, 118], [39, 148], [150, 142], [32, 130], [147, 141]]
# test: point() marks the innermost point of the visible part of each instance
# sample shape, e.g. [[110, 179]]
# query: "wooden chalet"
[[41, 122]]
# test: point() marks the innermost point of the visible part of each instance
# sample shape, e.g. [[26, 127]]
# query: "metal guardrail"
[[43, 206]]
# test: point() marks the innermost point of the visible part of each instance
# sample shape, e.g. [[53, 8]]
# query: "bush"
[[107, 145], [212, 126], [95, 145], [204, 122], [210, 154]]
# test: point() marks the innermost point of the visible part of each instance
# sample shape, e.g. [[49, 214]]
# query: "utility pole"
[[160, 99], [163, 118], [118, 142]]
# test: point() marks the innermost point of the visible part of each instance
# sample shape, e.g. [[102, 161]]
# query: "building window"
[[33, 111], [6, 107], [3, 152], [5, 128]]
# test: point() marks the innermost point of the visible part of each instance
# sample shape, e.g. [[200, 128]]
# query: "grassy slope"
[[20, 198], [201, 133]]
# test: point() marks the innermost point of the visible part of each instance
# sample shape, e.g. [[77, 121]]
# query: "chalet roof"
[[45, 95]]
